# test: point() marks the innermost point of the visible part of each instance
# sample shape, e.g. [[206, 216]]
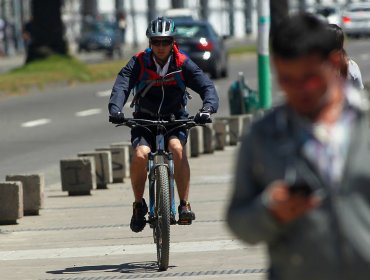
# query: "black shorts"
[[141, 136]]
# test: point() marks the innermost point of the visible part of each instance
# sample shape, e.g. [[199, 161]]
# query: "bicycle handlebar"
[[132, 122]]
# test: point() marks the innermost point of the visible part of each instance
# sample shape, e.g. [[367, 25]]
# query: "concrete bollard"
[[124, 144], [103, 167], [187, 146], [11, 202], [196, 141], [120, 162], [221, 128], [78, 175], [33, 191], [237, 126], [128, 150], [209, 136]]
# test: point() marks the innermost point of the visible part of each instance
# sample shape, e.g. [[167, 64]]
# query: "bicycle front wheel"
[[162, 227]]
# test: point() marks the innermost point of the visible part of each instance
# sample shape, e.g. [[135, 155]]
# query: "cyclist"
[[159, 76]]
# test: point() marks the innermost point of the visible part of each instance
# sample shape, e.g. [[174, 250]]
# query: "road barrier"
[[78, 175], [103, 167], [33, 191], [196, 141], [11, 202], [120, 162]]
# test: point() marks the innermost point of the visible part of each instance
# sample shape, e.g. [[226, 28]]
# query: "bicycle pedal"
[[184, 222]]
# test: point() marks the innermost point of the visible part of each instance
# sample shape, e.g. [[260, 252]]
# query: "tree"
[[46, 30], [279, 10]]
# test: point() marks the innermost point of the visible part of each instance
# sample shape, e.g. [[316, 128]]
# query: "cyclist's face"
[[305, 81], [161, 47]]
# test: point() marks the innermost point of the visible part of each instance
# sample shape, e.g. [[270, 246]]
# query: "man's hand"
[[285, 206], [117, 118], [203, 116]]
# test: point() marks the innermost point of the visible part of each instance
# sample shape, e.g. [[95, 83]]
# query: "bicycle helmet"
[[161, 27]]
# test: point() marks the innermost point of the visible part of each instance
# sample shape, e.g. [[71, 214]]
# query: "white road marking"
[[182, 247], [36, 123], [89, 112], [104, 93]]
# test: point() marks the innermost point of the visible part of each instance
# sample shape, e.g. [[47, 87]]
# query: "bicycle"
[[162, 205]]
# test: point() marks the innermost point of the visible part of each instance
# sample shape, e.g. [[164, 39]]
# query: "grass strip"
[[69, 70]]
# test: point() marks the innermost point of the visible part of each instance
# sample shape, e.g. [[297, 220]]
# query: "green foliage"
[[242, 50]]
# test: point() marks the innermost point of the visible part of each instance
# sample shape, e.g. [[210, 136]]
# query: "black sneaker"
[[138, 216], [186, 216]]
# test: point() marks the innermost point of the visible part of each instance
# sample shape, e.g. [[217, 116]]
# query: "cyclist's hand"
[[117, 118], [203, 116]]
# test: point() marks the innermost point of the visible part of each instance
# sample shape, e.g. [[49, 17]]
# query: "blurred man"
[[302, 183]]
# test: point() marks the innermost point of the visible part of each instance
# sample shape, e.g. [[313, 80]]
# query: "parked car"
[[100, 36], [356, 19], [181, 14], [198, 40], [332, 14]]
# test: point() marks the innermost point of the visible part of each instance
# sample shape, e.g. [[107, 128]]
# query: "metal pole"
[[264, 76], [231, 17], [3, 10], [177, 4], [133, 16], [248, 6], [151, 10], [204, 9]]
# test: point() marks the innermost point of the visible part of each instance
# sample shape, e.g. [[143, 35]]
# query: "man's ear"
[[335, 58]]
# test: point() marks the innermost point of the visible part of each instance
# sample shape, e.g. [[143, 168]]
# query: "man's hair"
[[339, 35], [302, 34]]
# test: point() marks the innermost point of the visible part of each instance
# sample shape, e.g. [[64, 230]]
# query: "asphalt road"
[[39, 129]]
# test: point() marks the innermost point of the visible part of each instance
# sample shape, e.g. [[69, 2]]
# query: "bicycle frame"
[[153, 164]]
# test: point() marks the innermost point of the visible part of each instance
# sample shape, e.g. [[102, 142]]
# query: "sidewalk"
[[88, 237]]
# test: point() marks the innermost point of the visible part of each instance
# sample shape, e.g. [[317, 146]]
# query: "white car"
[[356, 19]]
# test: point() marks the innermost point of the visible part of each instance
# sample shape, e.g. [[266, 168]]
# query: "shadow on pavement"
[[133, 267]]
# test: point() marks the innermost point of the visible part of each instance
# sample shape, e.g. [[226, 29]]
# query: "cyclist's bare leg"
[[182, 169], [139, 170]]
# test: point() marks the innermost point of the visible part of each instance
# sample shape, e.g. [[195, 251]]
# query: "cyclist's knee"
[[175, 146], [141, 153]]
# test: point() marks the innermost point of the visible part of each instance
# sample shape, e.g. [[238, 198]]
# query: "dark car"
[[200, 42], [100, 36]]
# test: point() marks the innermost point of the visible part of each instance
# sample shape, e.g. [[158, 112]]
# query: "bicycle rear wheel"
[[162, 211]]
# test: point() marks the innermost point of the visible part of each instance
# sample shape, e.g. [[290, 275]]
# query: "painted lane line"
[[36, 123], [104, 93], [89, 112], [181, 247]]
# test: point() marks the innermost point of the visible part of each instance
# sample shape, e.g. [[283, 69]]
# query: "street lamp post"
[[264, 77]]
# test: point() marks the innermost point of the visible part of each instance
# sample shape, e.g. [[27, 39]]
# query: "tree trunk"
[[279, 10], [46, 30]]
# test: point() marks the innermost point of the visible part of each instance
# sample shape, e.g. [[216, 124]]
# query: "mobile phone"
[[301, 188]]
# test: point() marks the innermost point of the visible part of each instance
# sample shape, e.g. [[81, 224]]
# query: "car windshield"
[[191, 31], [99, 27]]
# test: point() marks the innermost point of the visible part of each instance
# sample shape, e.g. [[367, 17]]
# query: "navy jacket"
[[174, 100]]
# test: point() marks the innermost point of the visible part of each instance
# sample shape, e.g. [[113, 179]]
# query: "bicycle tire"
[[162, 209]]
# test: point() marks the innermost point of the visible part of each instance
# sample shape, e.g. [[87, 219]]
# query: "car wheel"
[[225, 72], [216, 72]]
